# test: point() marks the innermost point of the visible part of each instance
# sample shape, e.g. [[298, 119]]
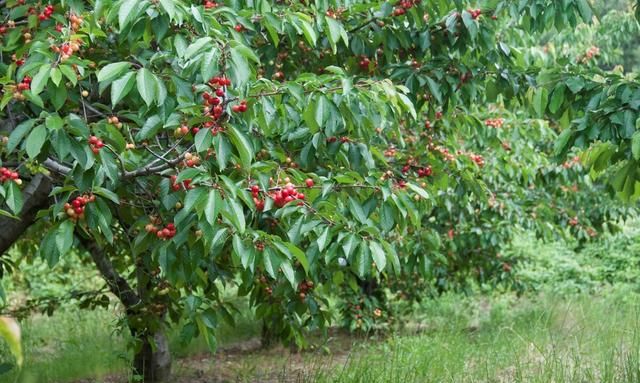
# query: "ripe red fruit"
[[309, 182], [238, 28], [93, 140]]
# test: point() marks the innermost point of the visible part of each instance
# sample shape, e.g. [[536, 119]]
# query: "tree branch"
[[36, 197], [117, 284]]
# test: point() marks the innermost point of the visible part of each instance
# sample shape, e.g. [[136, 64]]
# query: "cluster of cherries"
[[281, 196], [390, 152], [402, 6], [304, 288], [240, 108], [572, 162], [191, 160], [75, 209], [46, 13], [25, 84], [334, 14], [75, 22], [175, 186], [478, 159], [210, 4], [475, 13], [7, 174], [343, 139], [591, 52], [443, 151], [66, 50], [255, 192], [113, 120], [96, 144], [494, 122], [167, 232], [424, 171], [364, 63]]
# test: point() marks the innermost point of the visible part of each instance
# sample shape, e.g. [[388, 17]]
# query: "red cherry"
[[309, 182]]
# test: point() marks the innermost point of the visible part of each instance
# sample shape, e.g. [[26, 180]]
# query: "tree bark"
[[36, 197], [268, 337], [153, 362]]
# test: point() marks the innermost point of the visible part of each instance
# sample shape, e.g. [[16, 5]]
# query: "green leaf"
[[36, 140], [147, 86], [242, 144], [14, 198], [212, 209], [56, 76], [197, 46], [235, 214], [113, 71], [323, 239], [309, 32], [106, 193], [299, 255], [288, 272], [540, 99], [169, 7], [69, 73], [209, 64], [356, 210], [203, 139], [10, 332], [121, 87], [246, 52], [585, 10], [557, 98], [434, 88], [470, 24], [150, 128], [126, 12], [378, 255], [239, 68], [53, 122], [64, 236], [335, 30], [19, 133], [635, 145], [40, 80]]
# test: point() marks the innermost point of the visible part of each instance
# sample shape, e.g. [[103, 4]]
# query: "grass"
[[584, 338]]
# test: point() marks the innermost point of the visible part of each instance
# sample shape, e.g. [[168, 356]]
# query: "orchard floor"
[[503, 338]]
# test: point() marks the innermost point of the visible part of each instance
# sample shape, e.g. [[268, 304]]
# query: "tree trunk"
[[268, 337], [152, 362]]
